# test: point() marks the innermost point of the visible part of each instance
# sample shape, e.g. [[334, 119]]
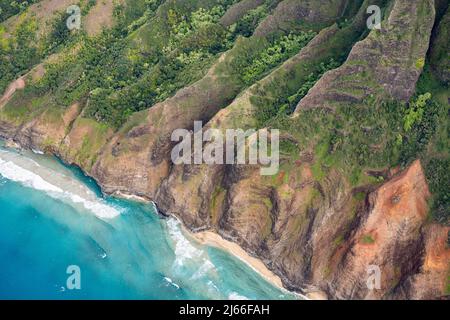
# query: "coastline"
[[209, 238], [131, 197], [213, 239]]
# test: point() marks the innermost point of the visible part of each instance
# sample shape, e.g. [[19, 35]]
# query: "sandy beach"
[[210, 238], [213, 239], [131, 197]]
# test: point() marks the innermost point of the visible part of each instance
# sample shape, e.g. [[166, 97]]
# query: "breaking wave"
[[185, 251], [236, 296], [187, 255], [57, 185]]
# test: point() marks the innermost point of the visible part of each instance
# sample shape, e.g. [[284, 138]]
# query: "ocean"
[[57, 230]]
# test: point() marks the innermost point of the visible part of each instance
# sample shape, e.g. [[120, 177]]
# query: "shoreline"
[[131, 197], [213, 239]]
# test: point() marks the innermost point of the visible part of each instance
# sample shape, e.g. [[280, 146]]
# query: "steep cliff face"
[[330, 213], [312, 13], [378, 65], [388, 235], [441, 48], [301, 227], [431, 278], [149, 142], [203, 99]]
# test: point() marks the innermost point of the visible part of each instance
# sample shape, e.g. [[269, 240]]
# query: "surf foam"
[[17, 168], [184, 250]]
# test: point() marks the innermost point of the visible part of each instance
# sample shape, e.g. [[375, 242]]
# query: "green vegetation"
[[19, 53], [11, 8], [157, 47], [415, 112], [247, 25], [276, 100], [337, 146], [279, 51], [367, 239], [447, 289], [119, 80]]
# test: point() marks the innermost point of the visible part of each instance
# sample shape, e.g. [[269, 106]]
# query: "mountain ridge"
[[311, 223]]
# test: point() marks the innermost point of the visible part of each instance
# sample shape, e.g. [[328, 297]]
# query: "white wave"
[[204, 269], [20, 169], [236, 296], [37, 151], [154, 207], [99, 208], [184, 250], [170, 281], [16, 173]]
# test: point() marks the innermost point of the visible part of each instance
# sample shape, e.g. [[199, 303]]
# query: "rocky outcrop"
[[388, 236], [149, 145], [378, 65], [150, 141], [315, 14], [440, 49], [318, 235], [238, 10]]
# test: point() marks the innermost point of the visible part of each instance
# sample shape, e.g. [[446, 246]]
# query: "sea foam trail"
[[186, 254], [29, 173], [184, 250], [236, 296]]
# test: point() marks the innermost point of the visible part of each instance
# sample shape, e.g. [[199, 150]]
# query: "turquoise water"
[[52, 217]]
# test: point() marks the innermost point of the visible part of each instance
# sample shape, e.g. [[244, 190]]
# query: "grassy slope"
[[141, 49]]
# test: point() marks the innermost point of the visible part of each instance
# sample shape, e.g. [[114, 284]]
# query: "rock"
[[313, 233], [378, 65], [315, 14], [430, 279], [440, 49], [388, 236], [238, 10]]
